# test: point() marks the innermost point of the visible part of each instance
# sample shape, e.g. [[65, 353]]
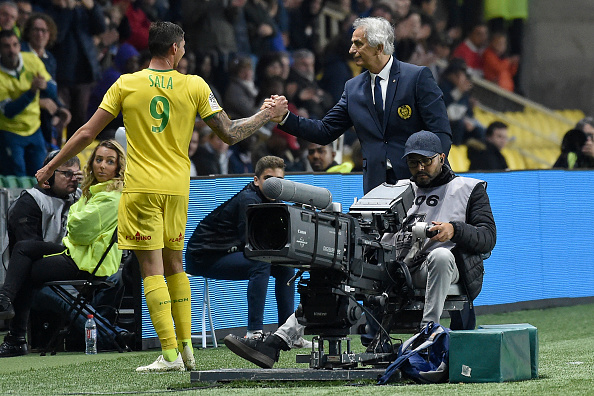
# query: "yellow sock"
[[170, 354], [181, 307], [158, 302]]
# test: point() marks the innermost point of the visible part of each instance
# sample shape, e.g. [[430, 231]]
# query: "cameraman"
[[215, 250], [458, 209]]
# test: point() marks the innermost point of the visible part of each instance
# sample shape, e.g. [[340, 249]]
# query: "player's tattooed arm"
[[233, 131]]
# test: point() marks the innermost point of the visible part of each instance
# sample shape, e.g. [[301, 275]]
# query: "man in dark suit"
[[408, 101]]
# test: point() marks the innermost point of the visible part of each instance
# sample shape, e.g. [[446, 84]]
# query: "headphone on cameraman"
[[47, 159]]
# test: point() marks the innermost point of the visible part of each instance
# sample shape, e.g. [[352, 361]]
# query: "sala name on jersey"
[[159, 82]]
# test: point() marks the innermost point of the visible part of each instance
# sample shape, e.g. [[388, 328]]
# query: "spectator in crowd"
[[406, 32], [262, 28], [211, 157], [383, 10], [240, 28], [269, 65], [137, 21], [39, 33], [241, 93], [321, 159], [278, 145], [577, 149], [497, 66], [401, 8], [456, 87], [508, 16], [471, 49], [204, 69], [336, 65], [428, 7], [489, 157], [125, 61], [465, 229], [422, 55], [379, 127], [25, 10], [187, 64], [302, 87], [91, 222], [9, 14], [440, 46], [286, 60], [304, 28], [215, 250], [241, 156], [22, 77], [209, 29], [116, 30], [76, 53]]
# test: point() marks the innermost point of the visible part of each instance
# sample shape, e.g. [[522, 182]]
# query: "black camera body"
[[343, 253]]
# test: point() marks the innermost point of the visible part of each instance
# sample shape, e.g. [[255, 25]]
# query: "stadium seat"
[[27, 181], [11, 181], [458, 158]]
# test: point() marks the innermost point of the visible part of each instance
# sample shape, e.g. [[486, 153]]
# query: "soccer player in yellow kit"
[[159, 106]]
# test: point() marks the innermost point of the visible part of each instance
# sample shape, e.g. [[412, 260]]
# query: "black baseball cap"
[[424, 143]]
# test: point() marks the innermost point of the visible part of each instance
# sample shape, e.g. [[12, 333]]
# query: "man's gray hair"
[[303, 53], [377, 31]]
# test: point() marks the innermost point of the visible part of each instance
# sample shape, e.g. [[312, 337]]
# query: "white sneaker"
[[163, 365], [188, 357], [302, 343], [254, 335]]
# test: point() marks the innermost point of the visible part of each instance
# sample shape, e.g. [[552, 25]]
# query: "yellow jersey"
[[159, 109]]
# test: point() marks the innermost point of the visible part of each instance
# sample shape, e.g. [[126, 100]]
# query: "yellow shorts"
[[149, 221]]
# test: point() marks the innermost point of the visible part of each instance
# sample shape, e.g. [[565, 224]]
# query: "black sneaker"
[[256, 350], [13, 346], [6, 308]]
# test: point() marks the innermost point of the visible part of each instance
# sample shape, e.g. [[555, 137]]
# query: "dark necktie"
[[379, 102]]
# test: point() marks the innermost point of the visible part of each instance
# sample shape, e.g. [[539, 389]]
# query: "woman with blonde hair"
[[91, 223]]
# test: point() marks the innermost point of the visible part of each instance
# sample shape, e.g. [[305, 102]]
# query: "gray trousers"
[[435, 275]]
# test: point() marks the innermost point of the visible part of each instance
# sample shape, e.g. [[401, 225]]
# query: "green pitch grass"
[[566, 367]]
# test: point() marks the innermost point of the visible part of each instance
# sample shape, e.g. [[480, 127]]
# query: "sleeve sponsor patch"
[[214, 105]]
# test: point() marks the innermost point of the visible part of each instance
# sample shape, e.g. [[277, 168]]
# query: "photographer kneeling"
[[458, 209]]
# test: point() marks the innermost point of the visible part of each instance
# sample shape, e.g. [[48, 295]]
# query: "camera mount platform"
[[287, 374]]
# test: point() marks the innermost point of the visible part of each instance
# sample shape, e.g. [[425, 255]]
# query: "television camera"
[[347, 261]]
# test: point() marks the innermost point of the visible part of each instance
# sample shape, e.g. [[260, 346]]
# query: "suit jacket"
[[414, 102]]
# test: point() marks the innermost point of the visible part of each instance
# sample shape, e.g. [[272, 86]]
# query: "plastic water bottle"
[[90, 336]]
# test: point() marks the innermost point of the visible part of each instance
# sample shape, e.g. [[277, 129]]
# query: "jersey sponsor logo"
[[159, 82], [214, 105], [180, 238], [137, 237], [404, 112]]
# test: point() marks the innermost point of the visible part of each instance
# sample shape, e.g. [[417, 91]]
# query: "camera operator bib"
[[444, 203]]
